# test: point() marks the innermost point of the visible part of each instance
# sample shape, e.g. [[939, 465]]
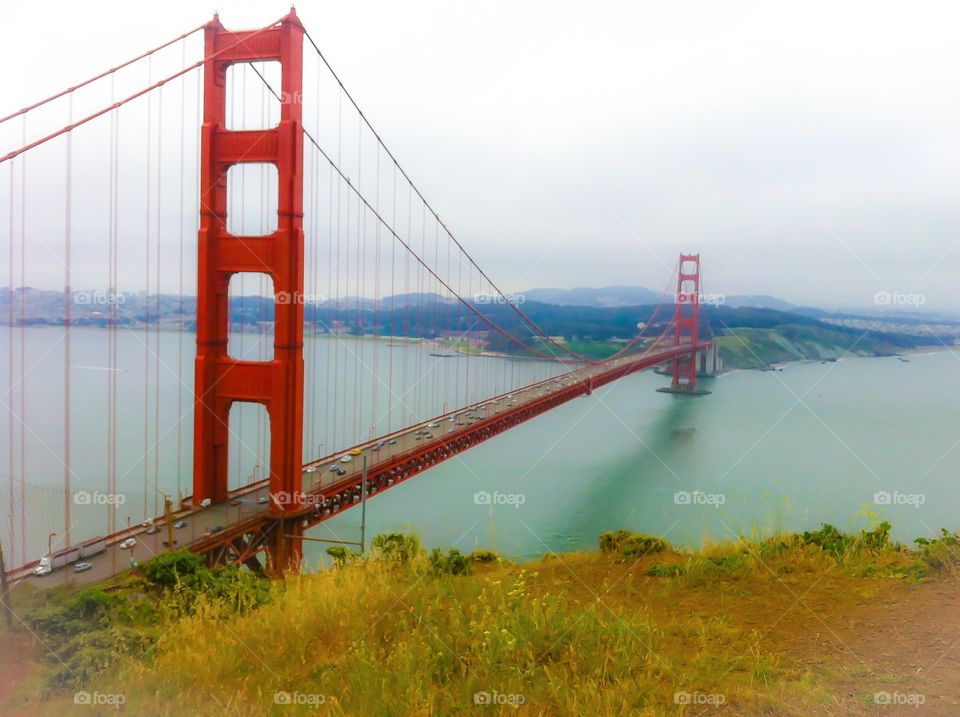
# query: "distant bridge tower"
[[686, 322], [221, 380]]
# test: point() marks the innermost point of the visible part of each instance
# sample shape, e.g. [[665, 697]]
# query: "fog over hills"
[[614, 296]]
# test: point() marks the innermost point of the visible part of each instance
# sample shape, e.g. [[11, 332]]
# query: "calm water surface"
[[765, 451]]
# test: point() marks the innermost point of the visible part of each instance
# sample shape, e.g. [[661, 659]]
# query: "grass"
[[634, 629]]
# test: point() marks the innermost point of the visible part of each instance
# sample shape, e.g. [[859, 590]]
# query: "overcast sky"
[[807, 150]]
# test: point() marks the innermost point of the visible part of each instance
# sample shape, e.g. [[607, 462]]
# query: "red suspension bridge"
[[330, 298]]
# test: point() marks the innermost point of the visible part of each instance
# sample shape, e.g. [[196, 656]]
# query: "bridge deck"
[[390, 460]]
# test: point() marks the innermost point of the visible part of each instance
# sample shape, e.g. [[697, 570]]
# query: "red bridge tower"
[[686, 322], [220, 379]]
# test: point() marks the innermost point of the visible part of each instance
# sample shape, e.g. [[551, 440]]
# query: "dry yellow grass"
[[737, 628]]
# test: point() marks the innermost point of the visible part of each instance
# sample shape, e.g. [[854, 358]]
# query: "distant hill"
[[757, 301], [606, 297], [618, 296]]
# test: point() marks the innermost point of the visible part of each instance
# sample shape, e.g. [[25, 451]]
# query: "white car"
[[128, 543], [346, 458]]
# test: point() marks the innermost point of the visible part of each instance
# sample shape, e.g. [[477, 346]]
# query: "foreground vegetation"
[[638, 628]]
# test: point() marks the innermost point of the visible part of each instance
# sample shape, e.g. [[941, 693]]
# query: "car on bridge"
[[128, 543]]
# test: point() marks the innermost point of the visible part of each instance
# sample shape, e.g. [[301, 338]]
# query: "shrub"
[[397, 547], [666, 571], [341, 555], [169, 569], [839, 544], [942, 553], [453, 563], [485, 556], [628, 545], [828, 539]]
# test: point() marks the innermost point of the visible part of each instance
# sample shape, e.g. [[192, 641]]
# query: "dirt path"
[[893, 652], [19, 665], [905, 645]]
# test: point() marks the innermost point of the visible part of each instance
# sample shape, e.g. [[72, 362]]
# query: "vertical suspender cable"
[[361, 270], [183, 112], [393, 295], [376, 302], [114, 317], [67, 319], [329, 431], [156, 380], [335, 325], [317, 301], [23, 352], [10, 419], [146, 318]]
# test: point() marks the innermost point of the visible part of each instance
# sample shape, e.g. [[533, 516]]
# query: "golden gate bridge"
[[257, 149]]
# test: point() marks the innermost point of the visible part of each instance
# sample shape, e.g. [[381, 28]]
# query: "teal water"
[[766, 452], [786, 450]]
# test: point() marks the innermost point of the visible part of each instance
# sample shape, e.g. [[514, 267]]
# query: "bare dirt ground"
[[19, 666]]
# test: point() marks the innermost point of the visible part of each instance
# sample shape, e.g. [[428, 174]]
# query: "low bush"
[[631, 546]]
